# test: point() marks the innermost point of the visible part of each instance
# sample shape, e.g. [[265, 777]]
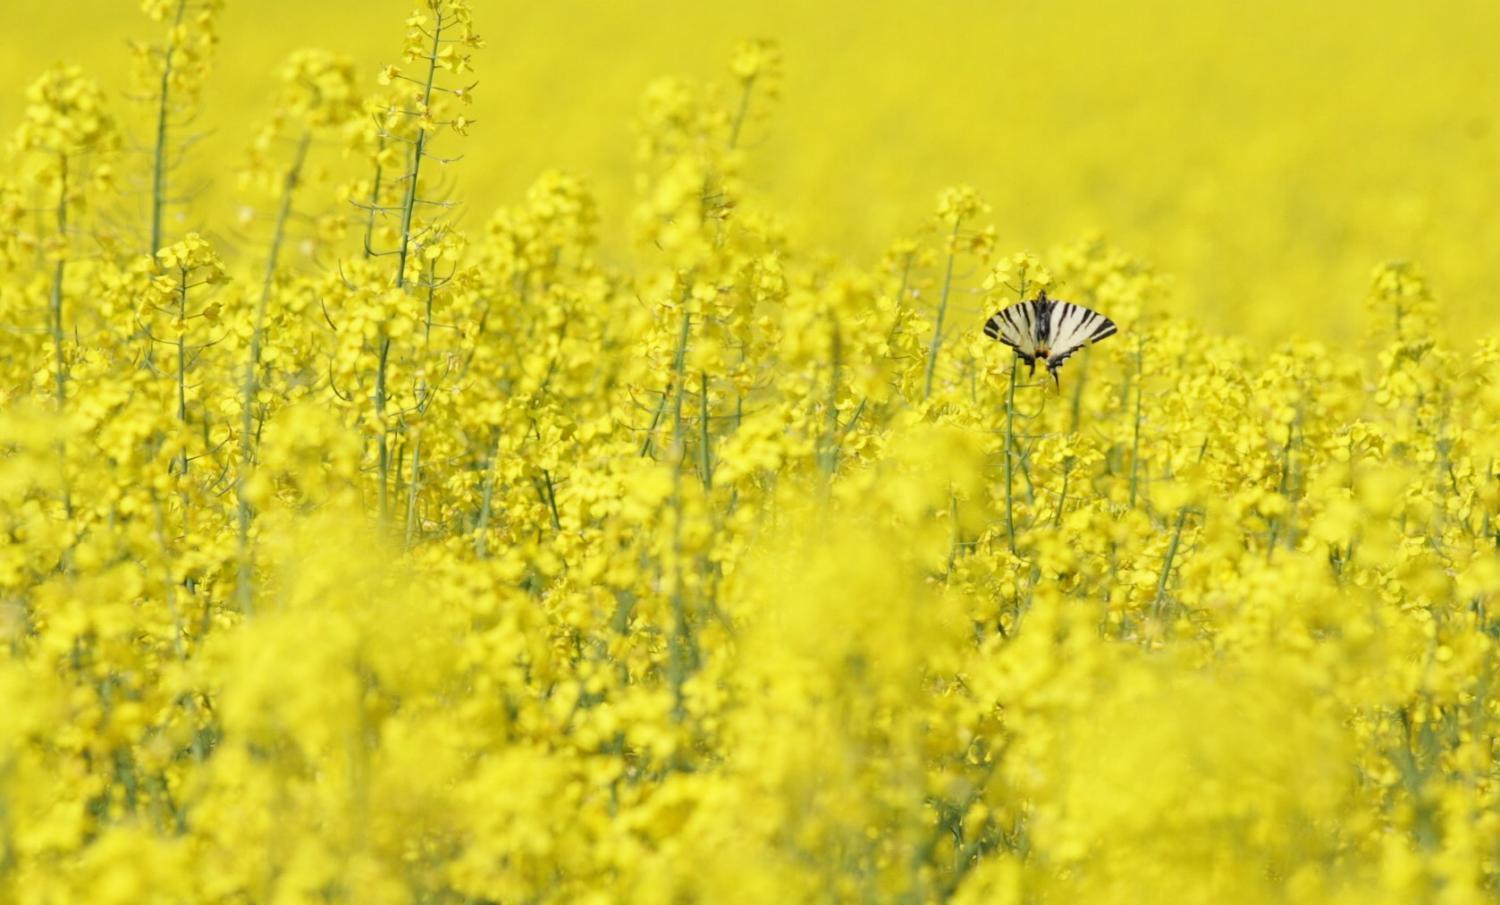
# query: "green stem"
[[678, 362], [409, 203], [956, 538], [739, 116], [1010, 442], [1076, 410], [1166, 567], [179, 645], [159, 157], [705, 449], [1281, 488], [245, 588], [548, 495], [677, 358], [661, 409], [831, 443], [60, 360], [681, 646], [384, 439], [937, 329], [414, 486], [900, 298], [374, 202], [481, 530], [57, 287], [1062, 498], [408, 208], [1135, 448], [182, 416], [681, 643]]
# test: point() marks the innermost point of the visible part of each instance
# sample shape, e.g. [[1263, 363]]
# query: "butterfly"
[[1047, 330]]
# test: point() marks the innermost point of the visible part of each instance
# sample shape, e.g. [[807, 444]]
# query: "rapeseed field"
[[554, 453]]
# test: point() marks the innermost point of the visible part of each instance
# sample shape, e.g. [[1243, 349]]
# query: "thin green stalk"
[[678, 362], [677, 358], [1166, 567], [1489, 473], [680, 647], [831, 443], [546, 490], [374, 202], [427, 324], [1010, 443], [481, 530], [245, 588], [182, 416], [408, 209], [677, 651], [1076, 410], [705, 449], [552, 499], [1023, 457], [937, 330], [681, 642], [956, 538], [661, 409], [414, 486], [900, 298], [409, 203], [383, 440], [905, 281], [1062, 498], [1135, 448], [179, 640], [179, 645], [1281, 488], [57, 287], [55, 308], [739, 116], [398, 483], [159, 155]]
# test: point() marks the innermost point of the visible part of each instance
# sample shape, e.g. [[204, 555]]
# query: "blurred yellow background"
[[1266, 155]]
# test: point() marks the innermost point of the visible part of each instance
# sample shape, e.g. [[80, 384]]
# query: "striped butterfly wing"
[[1017, 327], [1070, 327]]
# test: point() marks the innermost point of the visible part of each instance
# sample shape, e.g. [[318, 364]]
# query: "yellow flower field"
[[551, 453]]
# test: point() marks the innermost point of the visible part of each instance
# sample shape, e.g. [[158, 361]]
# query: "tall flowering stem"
[[66, 127], [439, 40], [317, 96], [170, 74]]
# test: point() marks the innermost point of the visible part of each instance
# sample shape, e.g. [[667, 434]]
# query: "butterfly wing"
[[1071, 327], [1016, 326]]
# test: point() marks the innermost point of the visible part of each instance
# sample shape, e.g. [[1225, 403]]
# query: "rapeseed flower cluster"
[[354, 550]]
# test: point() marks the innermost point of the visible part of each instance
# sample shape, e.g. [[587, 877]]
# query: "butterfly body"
[[1047, 330]]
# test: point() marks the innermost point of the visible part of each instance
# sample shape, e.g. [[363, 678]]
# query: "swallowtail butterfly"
[[1047, 330]]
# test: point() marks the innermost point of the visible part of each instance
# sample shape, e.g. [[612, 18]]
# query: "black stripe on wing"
[[1016, 327], [1064, 318], [1079, 327]]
